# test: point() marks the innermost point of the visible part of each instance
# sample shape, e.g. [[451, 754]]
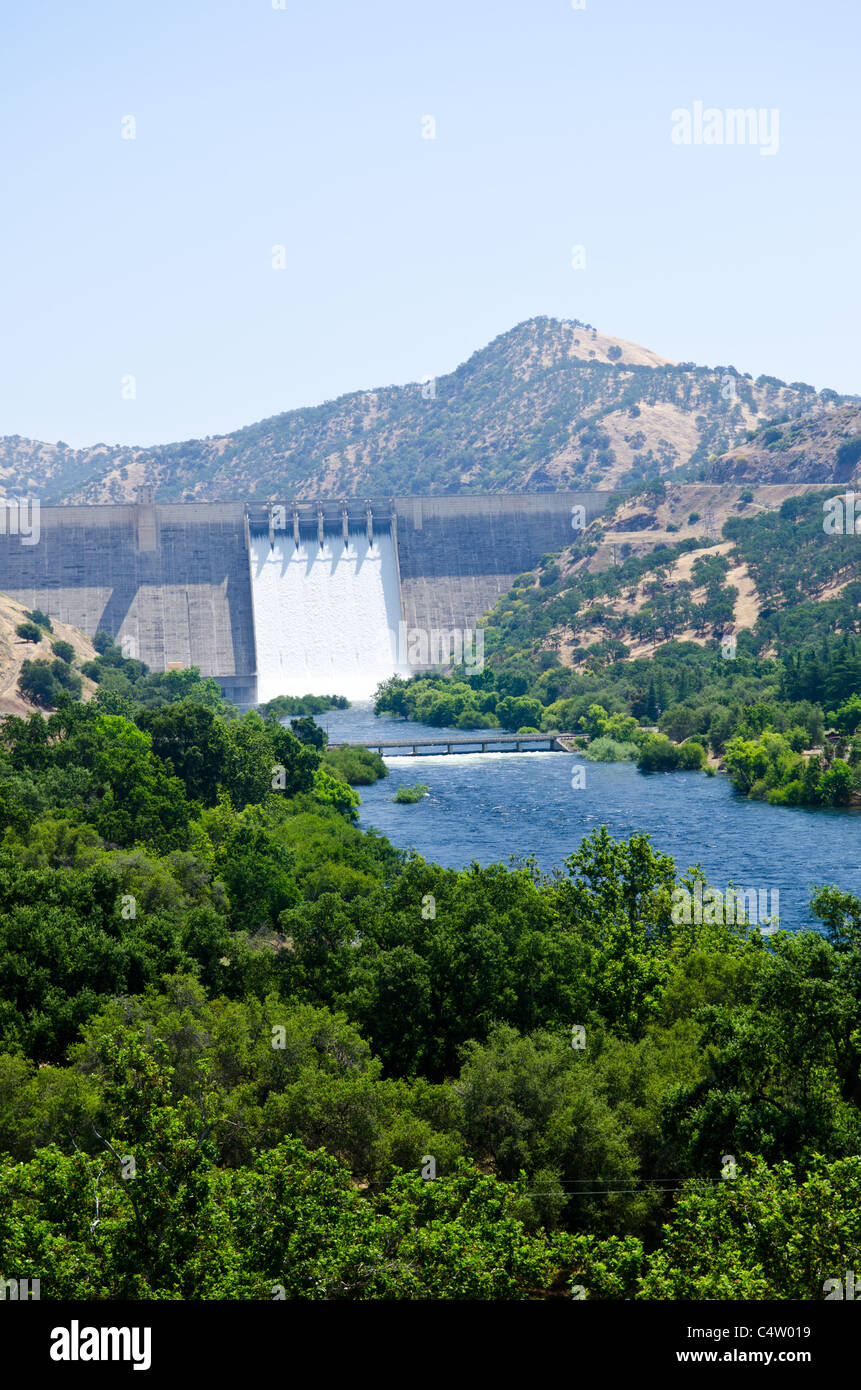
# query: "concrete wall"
[[459, 554], [174, 582]]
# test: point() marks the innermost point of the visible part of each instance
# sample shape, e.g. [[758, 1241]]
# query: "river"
[[490, 806]]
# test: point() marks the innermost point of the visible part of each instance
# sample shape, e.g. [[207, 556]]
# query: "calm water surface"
[[489, 806]]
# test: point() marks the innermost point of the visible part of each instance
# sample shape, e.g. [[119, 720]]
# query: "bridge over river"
[[484, 742]]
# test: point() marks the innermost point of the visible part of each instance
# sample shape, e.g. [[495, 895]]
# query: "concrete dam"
[[291, 598]]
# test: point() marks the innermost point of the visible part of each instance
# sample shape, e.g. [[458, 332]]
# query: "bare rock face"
[[822, 446]]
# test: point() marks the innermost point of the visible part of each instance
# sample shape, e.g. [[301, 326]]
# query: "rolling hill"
[[549, 404]]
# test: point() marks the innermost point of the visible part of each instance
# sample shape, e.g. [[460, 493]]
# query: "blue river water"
[[491, 806]]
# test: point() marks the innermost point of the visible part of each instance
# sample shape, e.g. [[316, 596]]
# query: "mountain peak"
[[549, 404], [550, 342]]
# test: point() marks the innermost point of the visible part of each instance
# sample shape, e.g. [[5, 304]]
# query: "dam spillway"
[[190, 584], [326, 617]]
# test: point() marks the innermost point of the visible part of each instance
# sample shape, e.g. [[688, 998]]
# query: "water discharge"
[[326, 618]]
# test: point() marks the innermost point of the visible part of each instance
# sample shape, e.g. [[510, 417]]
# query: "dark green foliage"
[[65, 677], [284, 705], [308, 732], [193, 742], [36, 683], [48, 683], [659, 754], [133, 681], [357, 766], [410, 795], [41, 619]]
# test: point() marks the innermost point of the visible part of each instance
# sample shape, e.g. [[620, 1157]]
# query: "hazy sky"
[[302, 127]]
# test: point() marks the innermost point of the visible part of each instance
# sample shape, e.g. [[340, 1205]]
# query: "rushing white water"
[[326, 619]]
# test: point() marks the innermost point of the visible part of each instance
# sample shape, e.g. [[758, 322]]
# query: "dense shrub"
[[357, 766], [40, 619]]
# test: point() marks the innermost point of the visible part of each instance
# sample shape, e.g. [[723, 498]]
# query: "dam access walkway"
[[483, 743]]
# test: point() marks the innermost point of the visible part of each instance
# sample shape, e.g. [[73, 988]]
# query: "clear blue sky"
[[302, 127]]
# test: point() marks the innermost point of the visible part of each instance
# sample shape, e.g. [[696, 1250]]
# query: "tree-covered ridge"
[[549, 404], [806, 579]]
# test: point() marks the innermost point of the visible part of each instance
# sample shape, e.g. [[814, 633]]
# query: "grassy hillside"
[[548, 404], [15, 650], [635, 579]]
